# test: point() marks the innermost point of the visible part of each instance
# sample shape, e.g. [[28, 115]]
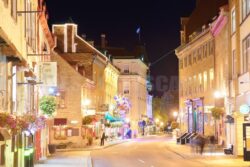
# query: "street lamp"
[[218, 94], [86, 103], [175, 114]]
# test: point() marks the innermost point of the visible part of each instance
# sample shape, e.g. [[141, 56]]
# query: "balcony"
[[244, 83]]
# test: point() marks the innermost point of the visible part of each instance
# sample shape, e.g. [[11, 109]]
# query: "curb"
[[92, 149]]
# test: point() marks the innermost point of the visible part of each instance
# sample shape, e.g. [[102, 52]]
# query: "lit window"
[[233, 64], [233, 21], [245, 54], [194, 84], [245, 8], [211, 77], [205, 80], [200, 83]]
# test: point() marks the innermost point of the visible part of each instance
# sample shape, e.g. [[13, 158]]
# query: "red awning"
[[60, 121]]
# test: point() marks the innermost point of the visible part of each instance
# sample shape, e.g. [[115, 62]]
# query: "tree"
[[217, 113], [48, 105], [158, 110]]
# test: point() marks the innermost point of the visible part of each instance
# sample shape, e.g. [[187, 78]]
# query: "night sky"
[[119, 19]]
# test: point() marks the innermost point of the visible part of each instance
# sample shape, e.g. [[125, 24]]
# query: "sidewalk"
[[95, 147], [217, 158], [66, 159]]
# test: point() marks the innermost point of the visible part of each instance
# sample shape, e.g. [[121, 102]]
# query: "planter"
[[52, 148]]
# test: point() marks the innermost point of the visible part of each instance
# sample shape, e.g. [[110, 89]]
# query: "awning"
[[229, 119], [4, 135], [60, 121]]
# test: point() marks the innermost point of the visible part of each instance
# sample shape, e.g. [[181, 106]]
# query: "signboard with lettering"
[[47, 73]]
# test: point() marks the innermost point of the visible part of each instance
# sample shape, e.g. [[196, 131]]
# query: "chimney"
[[103, 41], [69, 37]]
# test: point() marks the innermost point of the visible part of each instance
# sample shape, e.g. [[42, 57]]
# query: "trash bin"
[[52, 148]]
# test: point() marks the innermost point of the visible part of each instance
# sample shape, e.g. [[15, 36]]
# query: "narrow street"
[[148, 152]]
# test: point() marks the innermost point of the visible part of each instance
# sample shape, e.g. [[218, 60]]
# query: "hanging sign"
[[47, 73]]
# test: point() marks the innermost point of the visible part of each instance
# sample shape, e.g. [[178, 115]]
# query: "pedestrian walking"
[[103, 138]]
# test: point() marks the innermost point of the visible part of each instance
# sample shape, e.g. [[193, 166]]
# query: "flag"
[[138, 30]]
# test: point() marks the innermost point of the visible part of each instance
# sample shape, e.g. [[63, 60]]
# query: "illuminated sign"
[[244, 109]]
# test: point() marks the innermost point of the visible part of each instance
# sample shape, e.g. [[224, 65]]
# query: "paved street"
[[155, 152], [149, 152]]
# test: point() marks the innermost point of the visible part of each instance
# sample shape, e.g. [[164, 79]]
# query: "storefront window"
[[60, 133], [3, 80]]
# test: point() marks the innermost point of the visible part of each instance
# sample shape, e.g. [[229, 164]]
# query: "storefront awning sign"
[[244, 109]]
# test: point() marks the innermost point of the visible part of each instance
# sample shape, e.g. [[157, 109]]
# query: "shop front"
[[195, 115], [242, 126]]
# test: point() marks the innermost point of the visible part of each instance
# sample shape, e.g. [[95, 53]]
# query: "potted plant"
[[48, 105]]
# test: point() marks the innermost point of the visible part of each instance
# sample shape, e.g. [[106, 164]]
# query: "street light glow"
[[175, 113], [157, 120], [86, 102]]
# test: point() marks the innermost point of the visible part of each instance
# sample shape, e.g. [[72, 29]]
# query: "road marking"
[[141, 161]]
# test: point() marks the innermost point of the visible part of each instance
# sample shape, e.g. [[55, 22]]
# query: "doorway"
[[246, 141]]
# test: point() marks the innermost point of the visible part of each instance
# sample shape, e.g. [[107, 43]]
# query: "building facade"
[[239, 73], [132, 84], [203, 73], [25, 42]]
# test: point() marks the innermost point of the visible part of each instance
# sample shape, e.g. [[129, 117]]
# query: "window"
[[181, 64], [5, 3], [245, 54], [14, 9], [61, 103], [199, 53], [245, 8], [185, 62], [211, 47], [73, 132], [205, 50], [194, 84], [126, 69], [200, 83], [3, 84], [60, 133], [190, 60], [205, 80], [30, 26], [233, 64], [211, 78], [233, 21], [126, 88], [194, 56], [190, 85]]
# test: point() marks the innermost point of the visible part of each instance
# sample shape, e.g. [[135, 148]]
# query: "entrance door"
[[246, 141]]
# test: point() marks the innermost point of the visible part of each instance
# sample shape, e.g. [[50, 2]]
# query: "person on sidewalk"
[[102, 138]]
